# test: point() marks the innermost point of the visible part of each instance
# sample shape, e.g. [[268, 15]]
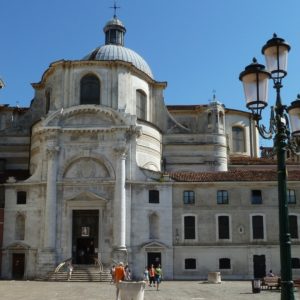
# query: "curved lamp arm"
[[263, 131]]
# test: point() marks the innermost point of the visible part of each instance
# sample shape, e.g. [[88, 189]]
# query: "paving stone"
[[169, 290]]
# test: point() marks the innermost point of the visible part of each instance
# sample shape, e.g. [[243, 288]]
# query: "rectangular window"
[[293, 222], [189, 197], [256, 197], [295, 263], [21, 197], [223, 225], [190, 264], [224, 263], [153, 196], [291, 197], [2, 165], [222, 197], [258, 227], [189, 228]]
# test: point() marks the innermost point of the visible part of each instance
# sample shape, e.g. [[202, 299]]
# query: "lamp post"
[[255, 80]]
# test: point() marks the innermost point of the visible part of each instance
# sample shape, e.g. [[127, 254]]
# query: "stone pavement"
[[169, 290]]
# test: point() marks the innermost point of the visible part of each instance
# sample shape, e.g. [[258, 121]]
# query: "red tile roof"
[[233, 175], [245, 160]]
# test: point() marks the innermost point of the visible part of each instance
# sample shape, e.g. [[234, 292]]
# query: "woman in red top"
[[119, 273], [151, 276]]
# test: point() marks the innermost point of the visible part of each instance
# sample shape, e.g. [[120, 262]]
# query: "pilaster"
[[119, 227], [50, 207]]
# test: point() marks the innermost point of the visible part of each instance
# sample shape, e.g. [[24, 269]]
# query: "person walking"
[[151, 275], [158, 276], [146, 275], [112, 273], [70, 270], [127, 273], [119, 276]]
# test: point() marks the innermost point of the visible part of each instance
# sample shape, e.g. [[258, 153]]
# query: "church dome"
[[114, 48], [116, 52]]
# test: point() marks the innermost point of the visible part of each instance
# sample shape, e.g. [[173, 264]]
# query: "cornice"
[[68, 64], [81, 130]]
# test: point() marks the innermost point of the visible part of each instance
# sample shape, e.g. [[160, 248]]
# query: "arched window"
[[238, 139], [209, 121], [48, 99], [221, 117], [20, 227], [154, 226], [141, 105], [89, 90]]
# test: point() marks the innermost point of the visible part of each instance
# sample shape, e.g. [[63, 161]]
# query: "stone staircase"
[[82, 273]]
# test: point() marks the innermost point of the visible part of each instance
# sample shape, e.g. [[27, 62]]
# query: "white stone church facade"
[[114, 174]]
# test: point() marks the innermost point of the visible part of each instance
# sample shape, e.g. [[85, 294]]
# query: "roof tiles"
[[233, 175]]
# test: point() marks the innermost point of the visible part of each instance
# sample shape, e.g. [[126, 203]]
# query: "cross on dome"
[[115, 7]]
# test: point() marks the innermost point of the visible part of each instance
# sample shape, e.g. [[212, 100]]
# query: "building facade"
[[99, 169]]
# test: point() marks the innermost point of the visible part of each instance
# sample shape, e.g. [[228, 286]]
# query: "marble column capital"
[[134, 131], [52, 151], [121, 151]]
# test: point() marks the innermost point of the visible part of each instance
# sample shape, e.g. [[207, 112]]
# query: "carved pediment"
[[86, 198], [153, 246], [87, 195], [86, 167], [82, 116], [88, 119], [18, 246]]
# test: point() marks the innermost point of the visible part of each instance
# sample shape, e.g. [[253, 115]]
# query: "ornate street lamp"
[[294, 113], [1, 84], [255, 80]]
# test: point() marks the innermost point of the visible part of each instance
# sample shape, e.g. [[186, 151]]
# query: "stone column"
[[119, 207], [50, 207]]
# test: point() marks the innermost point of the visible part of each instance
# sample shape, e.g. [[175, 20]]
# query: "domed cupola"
[[216, 116], [114, 32], [114, 49]]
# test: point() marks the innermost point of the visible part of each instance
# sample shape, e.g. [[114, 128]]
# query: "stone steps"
[[82, 273]]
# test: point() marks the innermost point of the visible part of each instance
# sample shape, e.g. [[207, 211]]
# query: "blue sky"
[[197, 46]]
